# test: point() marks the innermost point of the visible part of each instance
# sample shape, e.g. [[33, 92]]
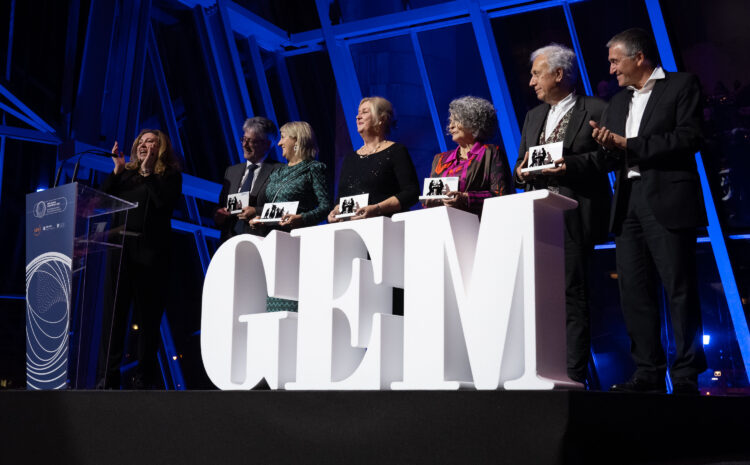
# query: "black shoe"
[[577, 377], [640, 386], [685, 387]]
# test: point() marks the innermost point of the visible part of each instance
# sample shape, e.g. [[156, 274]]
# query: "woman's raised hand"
[[118, 158]]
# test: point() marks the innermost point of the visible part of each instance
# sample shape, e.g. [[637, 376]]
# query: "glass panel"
[[248, 70], [27, 167], [593, 34], [707, 42], [352, 11], [611, 344], [318, 103], [274, 87], [515, 44], [184, 288], [38, 58], [388, 68], [206, 154], [454, 68], [292, 17]]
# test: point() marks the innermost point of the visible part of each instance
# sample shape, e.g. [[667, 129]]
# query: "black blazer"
[[668, 137], [583, 181], [157, 196], [231, 184]]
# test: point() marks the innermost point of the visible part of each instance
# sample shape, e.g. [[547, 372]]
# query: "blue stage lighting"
[[706, 339]]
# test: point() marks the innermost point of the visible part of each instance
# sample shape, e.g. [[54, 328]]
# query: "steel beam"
[[174, 134], [28, 115], [29, 135], [343, 71], [286, 88], [428, 92], [256, 61], [227, 79], [120, 106], [493, 68], [577, 48]]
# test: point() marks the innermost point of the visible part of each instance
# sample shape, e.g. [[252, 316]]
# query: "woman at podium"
[[152, 178], [481, 168]]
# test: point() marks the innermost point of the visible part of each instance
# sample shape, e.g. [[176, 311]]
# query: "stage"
[[465, 427]]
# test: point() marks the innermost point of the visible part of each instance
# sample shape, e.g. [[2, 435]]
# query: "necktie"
[[239, 226], [248, 183]]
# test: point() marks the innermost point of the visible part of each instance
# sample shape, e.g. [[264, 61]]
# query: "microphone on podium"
[[101, 152]]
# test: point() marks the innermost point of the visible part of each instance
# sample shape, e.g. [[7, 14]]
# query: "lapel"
[[471, 172], [659, 87], [577, 117], [536, 124], [235, 177], [265, 170], [617, 112]]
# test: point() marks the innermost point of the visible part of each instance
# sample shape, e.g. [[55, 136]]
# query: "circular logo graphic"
[[40, 209], [48, 285]]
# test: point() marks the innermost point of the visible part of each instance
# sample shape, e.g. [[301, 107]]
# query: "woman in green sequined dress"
[[303, 180]]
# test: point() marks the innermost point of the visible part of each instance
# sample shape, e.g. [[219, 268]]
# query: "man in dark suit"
[[563, 117], [650, 133], [249, 176]]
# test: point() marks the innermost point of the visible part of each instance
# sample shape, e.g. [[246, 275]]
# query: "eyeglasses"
[[247, 140]]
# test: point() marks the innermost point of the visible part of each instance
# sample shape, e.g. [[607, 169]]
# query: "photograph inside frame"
[[236, 202], [348, 206], [437, 188], [543, 156], [273, 212]]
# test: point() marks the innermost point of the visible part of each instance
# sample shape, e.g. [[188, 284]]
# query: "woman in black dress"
[[152, 178], [381, 168]]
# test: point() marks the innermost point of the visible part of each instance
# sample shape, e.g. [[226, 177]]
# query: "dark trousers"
[[577, 313], [645, 250], [143, 285]]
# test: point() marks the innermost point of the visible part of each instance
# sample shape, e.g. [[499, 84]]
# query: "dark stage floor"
[[465, 427]]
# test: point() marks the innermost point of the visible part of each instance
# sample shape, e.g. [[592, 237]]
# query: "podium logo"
[[40, 209], [50, 207]]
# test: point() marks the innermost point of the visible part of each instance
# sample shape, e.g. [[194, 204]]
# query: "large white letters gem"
[[240, 343], [485, 304], [346, 303]]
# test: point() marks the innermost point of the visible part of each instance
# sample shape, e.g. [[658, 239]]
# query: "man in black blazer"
[[563, 117], [251, 175], [650, 133]]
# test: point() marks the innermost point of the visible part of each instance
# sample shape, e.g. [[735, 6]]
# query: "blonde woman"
[[302, 179], [381, 168], [152, 178]]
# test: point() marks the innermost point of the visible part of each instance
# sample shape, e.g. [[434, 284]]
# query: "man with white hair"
[[563, 117]]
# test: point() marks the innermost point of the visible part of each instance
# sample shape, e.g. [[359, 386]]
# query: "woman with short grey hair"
[[481, 168]]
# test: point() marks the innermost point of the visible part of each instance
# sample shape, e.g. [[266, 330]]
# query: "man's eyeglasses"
[[247, 140]]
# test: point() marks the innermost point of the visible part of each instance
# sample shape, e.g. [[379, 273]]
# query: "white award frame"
[[446, 184], [547, 153], [354, 203], [272, 212], [236, 202]]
